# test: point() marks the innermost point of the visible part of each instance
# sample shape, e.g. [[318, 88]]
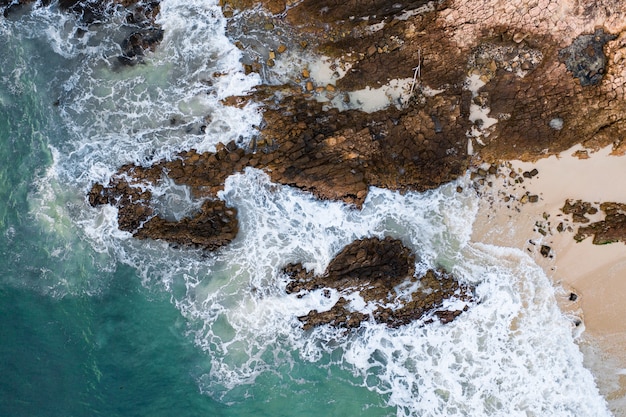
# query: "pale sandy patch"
[[595, 274]]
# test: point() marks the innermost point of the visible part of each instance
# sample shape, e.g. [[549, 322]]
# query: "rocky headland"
[[497, 81], [490, 81], [485, 82]]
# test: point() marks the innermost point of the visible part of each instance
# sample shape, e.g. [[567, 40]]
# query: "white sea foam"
[[512, 354], [144, 113]]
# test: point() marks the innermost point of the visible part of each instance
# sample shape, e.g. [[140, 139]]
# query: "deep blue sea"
[[94, 322]]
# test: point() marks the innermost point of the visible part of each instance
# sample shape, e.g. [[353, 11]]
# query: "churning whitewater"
[[513, 353]]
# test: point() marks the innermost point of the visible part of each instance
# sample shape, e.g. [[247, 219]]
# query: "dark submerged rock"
[[135, 46], [585, 58], [140, 16]]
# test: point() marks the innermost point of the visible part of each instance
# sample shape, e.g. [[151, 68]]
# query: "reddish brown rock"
[[579, 210], [376, 269], [132, 202], [213, 226], [548, 83], [541, 73], [609, 230]]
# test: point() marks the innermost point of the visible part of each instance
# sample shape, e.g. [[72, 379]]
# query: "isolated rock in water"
[[134, 47], [381, 273], [212, 227], [132, 202]]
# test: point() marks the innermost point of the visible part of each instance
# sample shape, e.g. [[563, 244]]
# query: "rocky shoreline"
[[489, 82], [504, 92]]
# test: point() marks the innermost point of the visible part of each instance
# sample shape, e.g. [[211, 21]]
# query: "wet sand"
[[590, 279]]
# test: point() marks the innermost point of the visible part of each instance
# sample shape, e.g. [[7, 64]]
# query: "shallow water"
[[95, 322]]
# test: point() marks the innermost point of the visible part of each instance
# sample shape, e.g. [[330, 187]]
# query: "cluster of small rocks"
[[517, 58], [612, 228]]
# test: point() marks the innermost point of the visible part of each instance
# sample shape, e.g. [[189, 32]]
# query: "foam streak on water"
[[148, 112], [512, 354]]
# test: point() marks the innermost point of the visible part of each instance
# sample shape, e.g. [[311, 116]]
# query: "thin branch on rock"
[[417, 74]]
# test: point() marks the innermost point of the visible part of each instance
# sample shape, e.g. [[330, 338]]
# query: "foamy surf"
[[512, 354]]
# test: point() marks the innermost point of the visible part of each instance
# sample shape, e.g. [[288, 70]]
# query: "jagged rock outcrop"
[[498, 80], [334, 155], [212, 227], [608, 230], [381, 272]]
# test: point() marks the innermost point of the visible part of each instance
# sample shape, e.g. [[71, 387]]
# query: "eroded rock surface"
[[334, 155], [498, 80], [213, 226], [585, 58], [543, 64], [381, 272], [608, 230]]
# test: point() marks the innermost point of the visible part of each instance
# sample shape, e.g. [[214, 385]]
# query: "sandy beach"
[[589, 278]]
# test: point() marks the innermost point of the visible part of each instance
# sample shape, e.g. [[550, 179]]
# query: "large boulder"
[[381, 272]]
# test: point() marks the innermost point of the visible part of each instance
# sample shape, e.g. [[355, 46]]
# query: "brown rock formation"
[[377, 269], [213, 226], [611, 229], [544, 64], [334, 155], [579, 210], [542, 84]]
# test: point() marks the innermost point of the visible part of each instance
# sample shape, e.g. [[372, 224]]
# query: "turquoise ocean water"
[[93, 322]]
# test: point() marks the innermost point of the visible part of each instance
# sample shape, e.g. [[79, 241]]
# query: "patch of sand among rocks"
[[521, 207]]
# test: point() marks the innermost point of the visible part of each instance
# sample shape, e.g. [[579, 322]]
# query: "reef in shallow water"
[[376, 280]]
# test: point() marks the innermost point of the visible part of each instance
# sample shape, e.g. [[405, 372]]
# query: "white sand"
[[597, 274]]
